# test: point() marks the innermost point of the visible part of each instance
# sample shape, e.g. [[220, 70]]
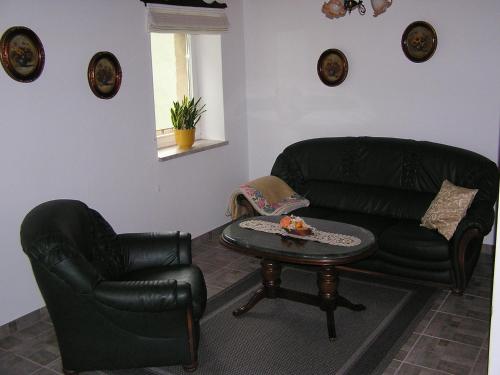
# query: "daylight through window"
[[172, 79]]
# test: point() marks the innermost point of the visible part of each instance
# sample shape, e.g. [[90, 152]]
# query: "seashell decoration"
[[338, 8], [334, 9], [380, 6]]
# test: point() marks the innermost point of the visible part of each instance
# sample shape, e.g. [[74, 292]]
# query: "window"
[[172, 79], [187, 60]]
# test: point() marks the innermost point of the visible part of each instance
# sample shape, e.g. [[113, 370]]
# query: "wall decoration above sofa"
[[419, 41], [332, 67], [104, 75], [22, 54]]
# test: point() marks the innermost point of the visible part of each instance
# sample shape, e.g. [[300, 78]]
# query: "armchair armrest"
[[144, 296], [142, 250]]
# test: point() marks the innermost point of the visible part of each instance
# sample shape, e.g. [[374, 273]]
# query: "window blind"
[[192, 20]]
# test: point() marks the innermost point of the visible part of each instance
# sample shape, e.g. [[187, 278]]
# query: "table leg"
[[328, 281], [327, 285], [270, 272]]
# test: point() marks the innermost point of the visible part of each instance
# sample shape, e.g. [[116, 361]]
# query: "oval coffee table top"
[[300, 251]]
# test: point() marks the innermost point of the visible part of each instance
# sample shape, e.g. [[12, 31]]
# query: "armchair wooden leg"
[[193, 347], [191, 367]]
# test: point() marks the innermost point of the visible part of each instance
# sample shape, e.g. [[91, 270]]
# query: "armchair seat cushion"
[[408, 239], [183, 274]]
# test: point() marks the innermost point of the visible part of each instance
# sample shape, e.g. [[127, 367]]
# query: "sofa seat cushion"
[[382, 266], [182, 273], [375, 224], [409, 240]]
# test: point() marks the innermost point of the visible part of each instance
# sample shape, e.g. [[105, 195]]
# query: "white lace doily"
[[334, 239]]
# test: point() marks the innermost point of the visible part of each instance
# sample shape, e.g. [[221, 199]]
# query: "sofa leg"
[[69, 372], [457, 291], [191, 367]]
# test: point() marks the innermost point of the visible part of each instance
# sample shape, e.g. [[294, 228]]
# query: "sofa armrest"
[[143, 250], [144, 296], [465, 248]]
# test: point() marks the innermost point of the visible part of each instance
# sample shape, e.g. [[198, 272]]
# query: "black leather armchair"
[[116, 300]]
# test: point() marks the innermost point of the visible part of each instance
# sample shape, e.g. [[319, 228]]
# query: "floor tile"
[[444, 355], [458, 328], [34, 330], [55, 365], [422, 325], [13, 365], [407, 347], [480, 286], [10, 342], [43, 349], [486, 342], [440, 298], [226, 277], [217, 257], [470, 306], [213, 290], [45, 371], [481, 365], [408, 369], [392, 368], [484, 270], [206, 268], [245, 263]]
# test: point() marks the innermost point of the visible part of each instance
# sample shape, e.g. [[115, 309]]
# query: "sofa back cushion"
[[383, 176], [375, 200]]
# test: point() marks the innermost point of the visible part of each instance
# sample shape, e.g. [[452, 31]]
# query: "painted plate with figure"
[[332, 67], [419, 41]]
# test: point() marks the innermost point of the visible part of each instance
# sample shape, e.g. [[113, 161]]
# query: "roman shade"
[[192, 20]]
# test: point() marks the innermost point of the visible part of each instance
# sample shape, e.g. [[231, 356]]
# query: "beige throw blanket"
[[267, 195]]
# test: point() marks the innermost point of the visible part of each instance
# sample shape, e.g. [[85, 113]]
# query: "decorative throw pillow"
[[448, 208]]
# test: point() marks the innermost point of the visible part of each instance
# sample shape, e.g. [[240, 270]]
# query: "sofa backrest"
[[382, 176]]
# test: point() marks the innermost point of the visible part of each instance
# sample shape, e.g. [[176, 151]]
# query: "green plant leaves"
[[187, 113]]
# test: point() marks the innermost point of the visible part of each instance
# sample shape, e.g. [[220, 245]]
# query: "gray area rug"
[[279, 337]]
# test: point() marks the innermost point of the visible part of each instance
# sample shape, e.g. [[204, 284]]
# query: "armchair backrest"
[[71, 241]]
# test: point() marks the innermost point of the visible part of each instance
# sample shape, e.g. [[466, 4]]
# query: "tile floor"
[[451, 339]]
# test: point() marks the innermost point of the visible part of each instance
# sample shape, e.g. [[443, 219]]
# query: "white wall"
[[494, 358], [453, 98], [60, 141]]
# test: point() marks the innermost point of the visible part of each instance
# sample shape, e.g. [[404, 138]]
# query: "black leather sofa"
[[386, 185], [116, 300]]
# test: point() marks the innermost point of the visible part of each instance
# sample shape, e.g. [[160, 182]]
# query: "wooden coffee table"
[[275, 249]]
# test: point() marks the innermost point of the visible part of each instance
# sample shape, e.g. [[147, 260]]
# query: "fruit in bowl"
[[295, 225]]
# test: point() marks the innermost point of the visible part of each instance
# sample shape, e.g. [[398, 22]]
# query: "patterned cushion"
[[448, 208]]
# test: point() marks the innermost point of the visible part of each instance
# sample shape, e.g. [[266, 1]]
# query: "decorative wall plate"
[[104, 75], [419, 41], [332, 67], [22, 54]]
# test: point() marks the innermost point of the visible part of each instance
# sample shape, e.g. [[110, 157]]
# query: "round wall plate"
[[22, 54], [104, 75], [419, 41], [332, 67]]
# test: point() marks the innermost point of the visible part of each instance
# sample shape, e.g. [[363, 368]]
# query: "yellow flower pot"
[[184, 138]]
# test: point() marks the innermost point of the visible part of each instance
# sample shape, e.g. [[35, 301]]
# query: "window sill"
[[173, 152]]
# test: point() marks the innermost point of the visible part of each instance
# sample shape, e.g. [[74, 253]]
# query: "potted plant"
[[185, 115]]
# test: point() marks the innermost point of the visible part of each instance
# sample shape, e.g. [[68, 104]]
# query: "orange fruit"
[[285, 221]]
